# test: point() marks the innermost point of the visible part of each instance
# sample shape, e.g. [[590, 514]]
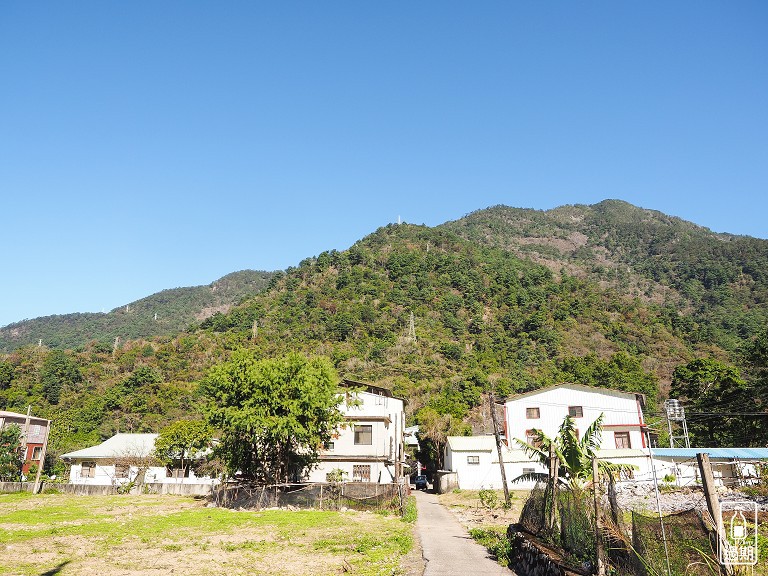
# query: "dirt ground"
[[137, 536], [469, 510]]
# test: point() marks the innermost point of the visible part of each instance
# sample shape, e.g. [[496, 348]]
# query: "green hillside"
[[167, 312], [443, 315], [720, 281]]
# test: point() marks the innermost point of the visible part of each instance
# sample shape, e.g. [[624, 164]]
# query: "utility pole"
[[554, 466], [498, 448], [708, 485], [38, 486], [598, 521]]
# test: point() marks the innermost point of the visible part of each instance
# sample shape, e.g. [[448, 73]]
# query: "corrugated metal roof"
[[119, 445], [714, 453], [472, 443], [584, 387]]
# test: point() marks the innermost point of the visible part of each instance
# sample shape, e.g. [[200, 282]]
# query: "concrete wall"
[[102, 490], [445, 481]]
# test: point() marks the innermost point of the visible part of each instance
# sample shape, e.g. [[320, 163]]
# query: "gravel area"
[[641, 497]]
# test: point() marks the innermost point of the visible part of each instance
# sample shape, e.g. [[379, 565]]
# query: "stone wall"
[[532, 558]]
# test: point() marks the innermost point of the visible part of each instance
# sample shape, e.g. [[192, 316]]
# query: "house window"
[[532, 413], [575, 411], [529, 470], [473, 460], [532, 438], [328, 446], [364, 434], [622, 440], [36, 430], [361, 473], [121, 470], [37, 453], [88, 470]]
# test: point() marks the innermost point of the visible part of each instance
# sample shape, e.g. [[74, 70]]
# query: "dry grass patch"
[[468, 508], [133, 535]]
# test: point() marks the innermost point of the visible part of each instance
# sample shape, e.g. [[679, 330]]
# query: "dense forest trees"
[[163, 314], [504, 300]]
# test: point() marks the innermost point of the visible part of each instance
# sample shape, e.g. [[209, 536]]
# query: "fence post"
[[713, 503], [598, 523]]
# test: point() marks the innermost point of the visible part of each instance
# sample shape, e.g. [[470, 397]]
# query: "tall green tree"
[[11, 453], [182, 441], [273, 414], [58, 370], [434, 429], [713, 393]]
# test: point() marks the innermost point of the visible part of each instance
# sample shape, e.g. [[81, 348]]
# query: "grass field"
[[62, 534]]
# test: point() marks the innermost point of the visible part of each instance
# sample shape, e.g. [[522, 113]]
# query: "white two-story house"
[[368, 447], [475, 459], [545, 409]]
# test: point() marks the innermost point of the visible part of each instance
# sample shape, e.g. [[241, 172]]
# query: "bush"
[[496, 542], [488, 498]]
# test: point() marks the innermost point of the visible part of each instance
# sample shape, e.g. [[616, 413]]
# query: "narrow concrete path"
[[447, 547]]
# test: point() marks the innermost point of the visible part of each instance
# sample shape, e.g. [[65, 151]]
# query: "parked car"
[[420, 482]]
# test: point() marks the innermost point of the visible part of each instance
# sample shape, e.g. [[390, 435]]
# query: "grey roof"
[[714, 453], [119, 445], [595, 389]]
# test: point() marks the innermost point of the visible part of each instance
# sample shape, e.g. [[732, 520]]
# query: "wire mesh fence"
[[318, 496], [633, 542]]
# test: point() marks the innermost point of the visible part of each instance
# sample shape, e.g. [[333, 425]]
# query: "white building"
[[119, 459], [545, 409], [475, 459], [369, 446]]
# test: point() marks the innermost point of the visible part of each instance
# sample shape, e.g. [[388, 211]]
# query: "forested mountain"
[[505, 300], [167, 312], [720, 281]]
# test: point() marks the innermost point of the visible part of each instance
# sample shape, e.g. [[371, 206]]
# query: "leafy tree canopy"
[[274, 414], [182, 441], [712, 392], [11, 453], [59, 370]]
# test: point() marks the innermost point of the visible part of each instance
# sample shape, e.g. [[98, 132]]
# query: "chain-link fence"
[[320, 496]]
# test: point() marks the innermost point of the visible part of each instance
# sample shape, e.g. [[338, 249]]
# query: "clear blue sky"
[[149, 145]]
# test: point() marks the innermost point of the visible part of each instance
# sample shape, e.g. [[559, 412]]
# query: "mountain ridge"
[[176, 309]]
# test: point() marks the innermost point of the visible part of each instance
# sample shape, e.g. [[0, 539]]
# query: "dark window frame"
[[361, 431]]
